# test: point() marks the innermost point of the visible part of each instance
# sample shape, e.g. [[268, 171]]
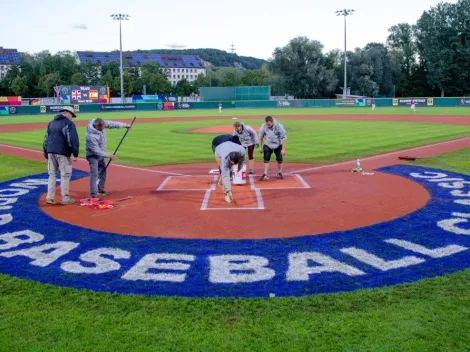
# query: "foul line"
[[379, 156], [113, 165]]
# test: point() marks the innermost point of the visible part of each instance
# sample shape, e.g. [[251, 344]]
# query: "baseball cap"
[[69, 109]]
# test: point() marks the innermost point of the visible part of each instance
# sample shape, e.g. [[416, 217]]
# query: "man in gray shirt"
[[275, 139], [228, 154], [95, 146]]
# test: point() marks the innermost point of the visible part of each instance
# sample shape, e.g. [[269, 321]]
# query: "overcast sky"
[[256, 27]]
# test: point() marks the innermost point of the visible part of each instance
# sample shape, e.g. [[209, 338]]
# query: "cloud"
[[80, 26], [176, 46]]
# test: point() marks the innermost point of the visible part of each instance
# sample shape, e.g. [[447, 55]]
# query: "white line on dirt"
[[378, 156], [168, 179]]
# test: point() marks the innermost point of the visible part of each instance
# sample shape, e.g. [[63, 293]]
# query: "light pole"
[[121, 17], [345, 13]]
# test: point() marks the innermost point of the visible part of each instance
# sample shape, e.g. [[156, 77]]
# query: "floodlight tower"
[[121, 17], [345, 13]]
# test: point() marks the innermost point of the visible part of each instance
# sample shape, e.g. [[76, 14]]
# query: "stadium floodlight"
[[345, 13], [121, 17]]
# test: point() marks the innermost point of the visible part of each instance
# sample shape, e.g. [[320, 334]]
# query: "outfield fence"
[[238, 104]]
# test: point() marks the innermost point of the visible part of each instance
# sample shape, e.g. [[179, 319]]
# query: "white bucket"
[[239, 177]]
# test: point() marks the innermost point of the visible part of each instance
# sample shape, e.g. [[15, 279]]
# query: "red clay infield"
[[310, 200], [186, 207]]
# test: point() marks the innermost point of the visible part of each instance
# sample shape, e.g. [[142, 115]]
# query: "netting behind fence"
[[235, 93]]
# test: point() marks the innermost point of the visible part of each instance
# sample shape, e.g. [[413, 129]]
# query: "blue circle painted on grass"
[[432, 241]]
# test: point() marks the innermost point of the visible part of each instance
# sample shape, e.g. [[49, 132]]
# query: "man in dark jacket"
[[60, 143], [224, 138]]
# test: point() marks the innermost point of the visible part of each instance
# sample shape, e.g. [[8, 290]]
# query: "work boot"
[[67, 202]]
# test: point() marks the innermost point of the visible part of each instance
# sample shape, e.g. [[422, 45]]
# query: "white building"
[[176, 67]]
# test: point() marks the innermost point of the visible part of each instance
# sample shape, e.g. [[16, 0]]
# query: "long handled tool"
[[117, 148]]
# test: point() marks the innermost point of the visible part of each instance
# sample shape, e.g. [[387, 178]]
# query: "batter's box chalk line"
[[164, 187]]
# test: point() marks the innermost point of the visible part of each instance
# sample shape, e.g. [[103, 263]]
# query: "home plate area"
[[247, 197]]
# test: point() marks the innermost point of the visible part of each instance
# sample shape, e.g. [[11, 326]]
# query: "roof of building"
[[135, 59], [9, 56]]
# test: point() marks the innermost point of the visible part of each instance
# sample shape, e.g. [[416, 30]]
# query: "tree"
[[443, 42], [91, 72], [229, 77], [19, 85], [48, 82], [78, 79], [301, 65], [201, 81], [107, 79], [255, 77], [159, 84], [183, 88]]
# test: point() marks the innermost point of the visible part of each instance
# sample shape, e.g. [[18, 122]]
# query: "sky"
[[256, 27]]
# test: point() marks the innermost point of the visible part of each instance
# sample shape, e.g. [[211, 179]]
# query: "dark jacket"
[[225, 138], [61, 137]]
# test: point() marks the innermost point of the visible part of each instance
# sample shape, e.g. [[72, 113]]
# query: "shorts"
[[268, 152], [250, 150]]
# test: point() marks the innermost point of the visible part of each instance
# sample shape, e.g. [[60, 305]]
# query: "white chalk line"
[[112, 165], [207, 196], [165, 181], [302, 180], [379, 156], [259, 199]]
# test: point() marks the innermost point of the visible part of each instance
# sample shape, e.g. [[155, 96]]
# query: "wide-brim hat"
[[69, 109]]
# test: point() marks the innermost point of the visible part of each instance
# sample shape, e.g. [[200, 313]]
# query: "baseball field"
[[324, 260]]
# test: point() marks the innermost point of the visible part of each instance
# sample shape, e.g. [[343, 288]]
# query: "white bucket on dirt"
[[239, 177]]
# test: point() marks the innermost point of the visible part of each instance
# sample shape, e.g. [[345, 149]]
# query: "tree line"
[[428, 58]]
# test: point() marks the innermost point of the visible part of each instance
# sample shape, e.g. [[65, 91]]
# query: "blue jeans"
[[97, 169]]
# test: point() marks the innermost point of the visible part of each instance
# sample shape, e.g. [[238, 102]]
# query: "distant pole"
[[345, 13], [121, 17]]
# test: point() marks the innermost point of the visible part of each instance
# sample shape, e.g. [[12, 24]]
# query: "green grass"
[[245, 112], [430, 315], [308, 140]]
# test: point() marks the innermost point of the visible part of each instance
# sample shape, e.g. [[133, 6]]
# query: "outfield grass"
[[244, 112], [430, 315], [308, 140]]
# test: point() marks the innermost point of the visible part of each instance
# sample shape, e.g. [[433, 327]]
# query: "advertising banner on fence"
[[83, 94], [4, 110], [54, 109], [118, 107], [344, 103], [418, 101], [183, 106], [170, 98], [464, 102], [166, 106], [147, 98]]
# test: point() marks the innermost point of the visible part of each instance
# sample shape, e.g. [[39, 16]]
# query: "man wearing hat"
[[60, 143]]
